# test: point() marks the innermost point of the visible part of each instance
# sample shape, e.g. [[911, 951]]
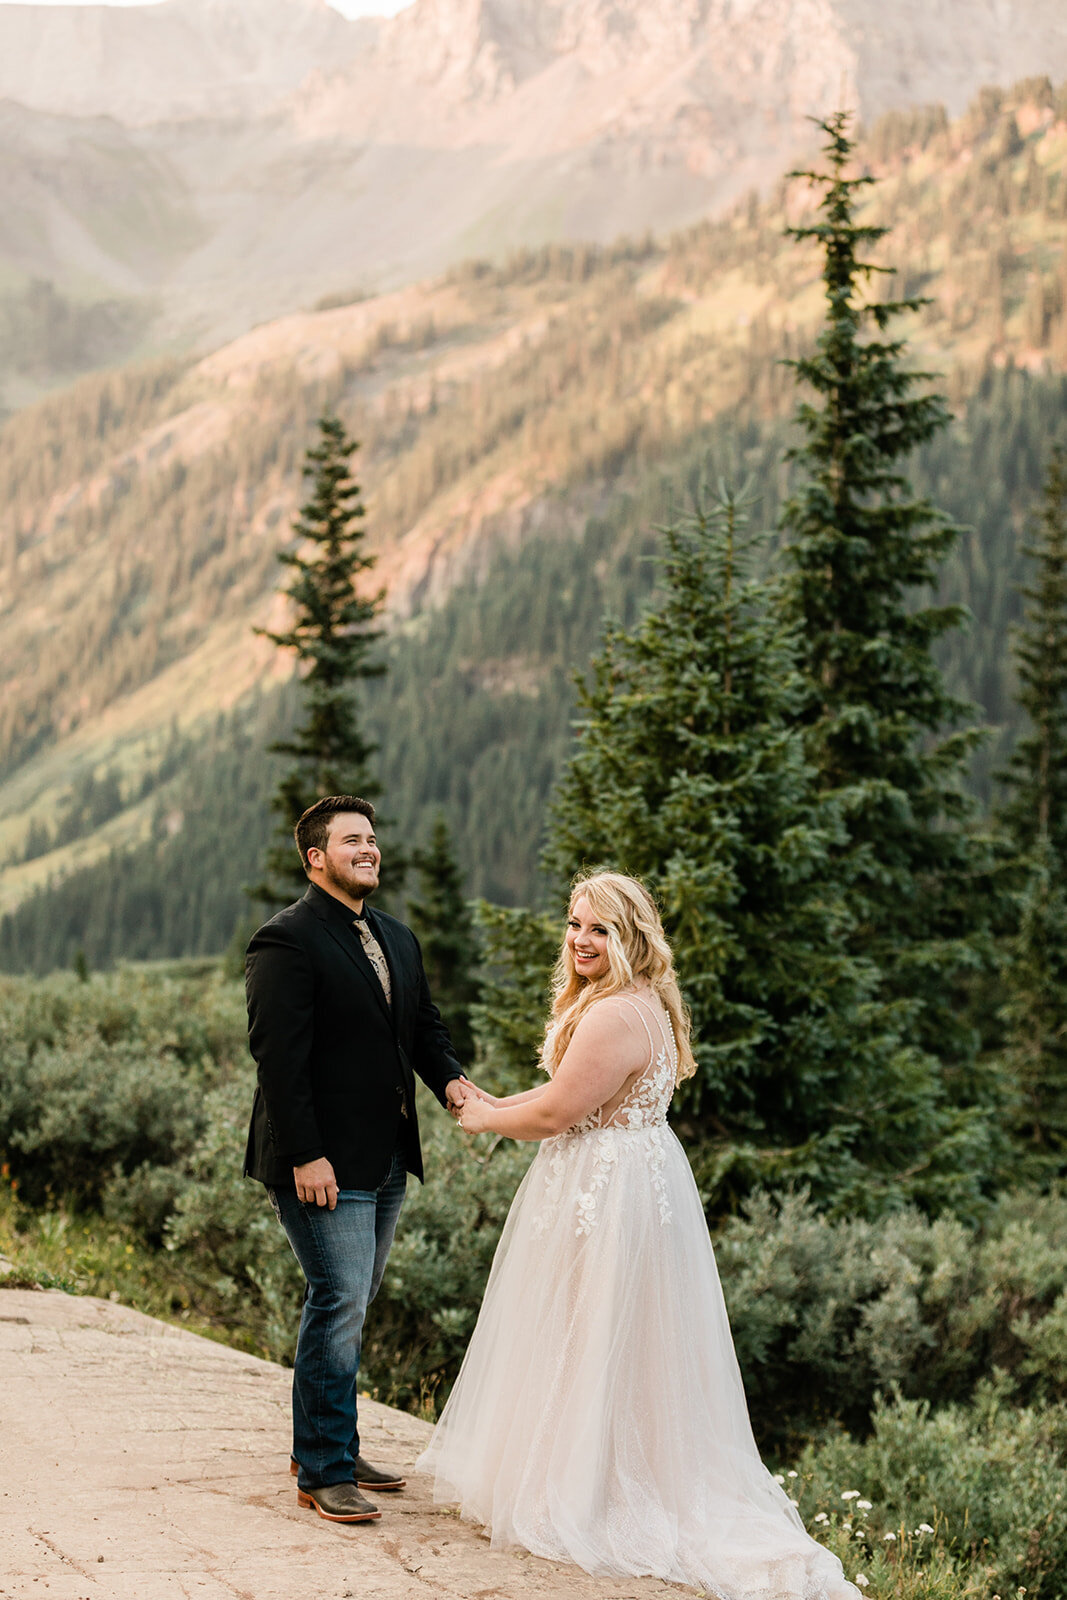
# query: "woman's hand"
[[474, 1115]]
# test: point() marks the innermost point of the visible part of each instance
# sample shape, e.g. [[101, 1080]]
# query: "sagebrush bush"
[[71, 1112], [226, 1237], [132, 1092], [107, 1077], [196, 1017], [827, 1314], [982, 1482]]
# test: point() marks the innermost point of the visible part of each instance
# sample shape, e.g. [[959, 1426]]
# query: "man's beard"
[[358, 891]]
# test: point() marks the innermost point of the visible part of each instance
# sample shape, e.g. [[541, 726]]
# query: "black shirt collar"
[[337, 907]]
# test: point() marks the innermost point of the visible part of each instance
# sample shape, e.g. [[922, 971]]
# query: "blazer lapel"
[[349, 941]]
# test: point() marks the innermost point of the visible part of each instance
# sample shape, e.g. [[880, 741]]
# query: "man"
[[339, 1020]]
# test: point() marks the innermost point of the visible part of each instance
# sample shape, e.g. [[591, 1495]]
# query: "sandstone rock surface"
[[141, 1462]]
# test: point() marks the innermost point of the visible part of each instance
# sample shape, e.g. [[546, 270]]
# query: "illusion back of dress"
[[643, 1102]]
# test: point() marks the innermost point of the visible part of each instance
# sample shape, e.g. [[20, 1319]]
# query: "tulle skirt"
[[599, 1415]]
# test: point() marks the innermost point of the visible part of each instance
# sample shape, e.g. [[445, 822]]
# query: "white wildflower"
[[863, 1505], [862, 1580], [924, 1527], [791, 1474], [889, 1536], [822, 1517], [851, 1494], [778, 1478]]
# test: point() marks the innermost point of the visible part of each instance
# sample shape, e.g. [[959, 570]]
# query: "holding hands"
[[474, 1114], [469, 1105]]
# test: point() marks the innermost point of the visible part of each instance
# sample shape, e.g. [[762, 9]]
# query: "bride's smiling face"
[[587, 940]]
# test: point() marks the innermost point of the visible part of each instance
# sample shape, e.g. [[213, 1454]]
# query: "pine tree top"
[[331, 637]]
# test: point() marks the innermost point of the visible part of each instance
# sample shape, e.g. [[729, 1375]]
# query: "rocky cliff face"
[[269, 151], [184, 58], [641, 61]]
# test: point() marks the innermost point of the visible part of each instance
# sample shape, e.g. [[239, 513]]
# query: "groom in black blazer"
[[340, 1020]]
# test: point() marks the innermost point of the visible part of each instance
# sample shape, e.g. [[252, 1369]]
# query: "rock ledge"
[[139, 1461]]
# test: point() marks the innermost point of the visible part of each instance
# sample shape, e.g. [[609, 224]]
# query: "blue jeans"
[[343, 1255]]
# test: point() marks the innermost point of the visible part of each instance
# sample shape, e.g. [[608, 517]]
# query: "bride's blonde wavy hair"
[[637, 952]]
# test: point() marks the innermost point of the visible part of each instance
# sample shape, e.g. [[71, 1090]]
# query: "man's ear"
[[314, 852]]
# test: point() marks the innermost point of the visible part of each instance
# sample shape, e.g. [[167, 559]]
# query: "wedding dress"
[[599, 1415]]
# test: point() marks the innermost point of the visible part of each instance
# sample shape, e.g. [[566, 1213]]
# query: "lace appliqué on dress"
[[643, 1111]]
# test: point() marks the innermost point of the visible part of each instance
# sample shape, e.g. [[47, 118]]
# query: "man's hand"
[[316, 1183], [459, 1090], [456, 1091]]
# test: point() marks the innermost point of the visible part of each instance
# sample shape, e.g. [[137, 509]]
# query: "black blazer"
[[335, 1062]]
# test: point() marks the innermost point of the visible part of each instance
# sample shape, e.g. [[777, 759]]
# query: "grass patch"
[[85, 1254]]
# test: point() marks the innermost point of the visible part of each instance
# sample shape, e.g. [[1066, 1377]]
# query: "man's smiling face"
[[350, 864]]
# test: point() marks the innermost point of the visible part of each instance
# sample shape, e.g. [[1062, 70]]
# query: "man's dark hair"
[[313, 829]]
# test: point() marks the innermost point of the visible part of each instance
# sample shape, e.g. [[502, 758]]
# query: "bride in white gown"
[[599, 1416]]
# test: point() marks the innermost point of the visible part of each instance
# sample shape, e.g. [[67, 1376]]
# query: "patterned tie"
[[375, 955]]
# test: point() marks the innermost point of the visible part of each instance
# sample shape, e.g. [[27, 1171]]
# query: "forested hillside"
[[523, 429]]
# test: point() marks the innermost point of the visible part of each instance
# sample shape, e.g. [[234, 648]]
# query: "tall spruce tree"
[[1036, 777], [443, 922], [691, 772], [863, 550], [331, 637], [1035, 819]]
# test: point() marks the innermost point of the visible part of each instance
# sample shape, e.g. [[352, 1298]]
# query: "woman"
[[598, 1416]]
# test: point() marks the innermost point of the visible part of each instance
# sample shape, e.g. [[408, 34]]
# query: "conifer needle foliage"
[[331, 637], [443, 921], [691, 772], [1035, 817], [1037, 773], [865, 555]]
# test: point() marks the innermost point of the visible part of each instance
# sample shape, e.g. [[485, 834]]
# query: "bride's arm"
[[519, 1099], [505, 1099], [599, 1059]]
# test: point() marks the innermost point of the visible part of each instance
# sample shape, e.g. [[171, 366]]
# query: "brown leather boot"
[[339, 1502]]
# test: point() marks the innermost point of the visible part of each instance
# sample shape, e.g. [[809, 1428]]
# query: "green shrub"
[[70, 1113], [827, 1314], [194, 1016], [982, 1483], [224, 1237], [108, 1077]]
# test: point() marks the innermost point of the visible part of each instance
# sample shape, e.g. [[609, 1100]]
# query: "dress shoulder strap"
[[663, 1026], [635, 1005]]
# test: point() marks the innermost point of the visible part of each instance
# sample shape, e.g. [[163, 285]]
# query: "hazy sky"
[[349, 8]]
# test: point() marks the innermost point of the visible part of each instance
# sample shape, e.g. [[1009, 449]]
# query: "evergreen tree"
[[520, 949], [331, 638], [1036, 808], [691, 772], [1035, 1052], [1035, 817], [862, 547], [444, 925]]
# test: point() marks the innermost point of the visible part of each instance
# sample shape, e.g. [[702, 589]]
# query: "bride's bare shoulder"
[[615, 1015]]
